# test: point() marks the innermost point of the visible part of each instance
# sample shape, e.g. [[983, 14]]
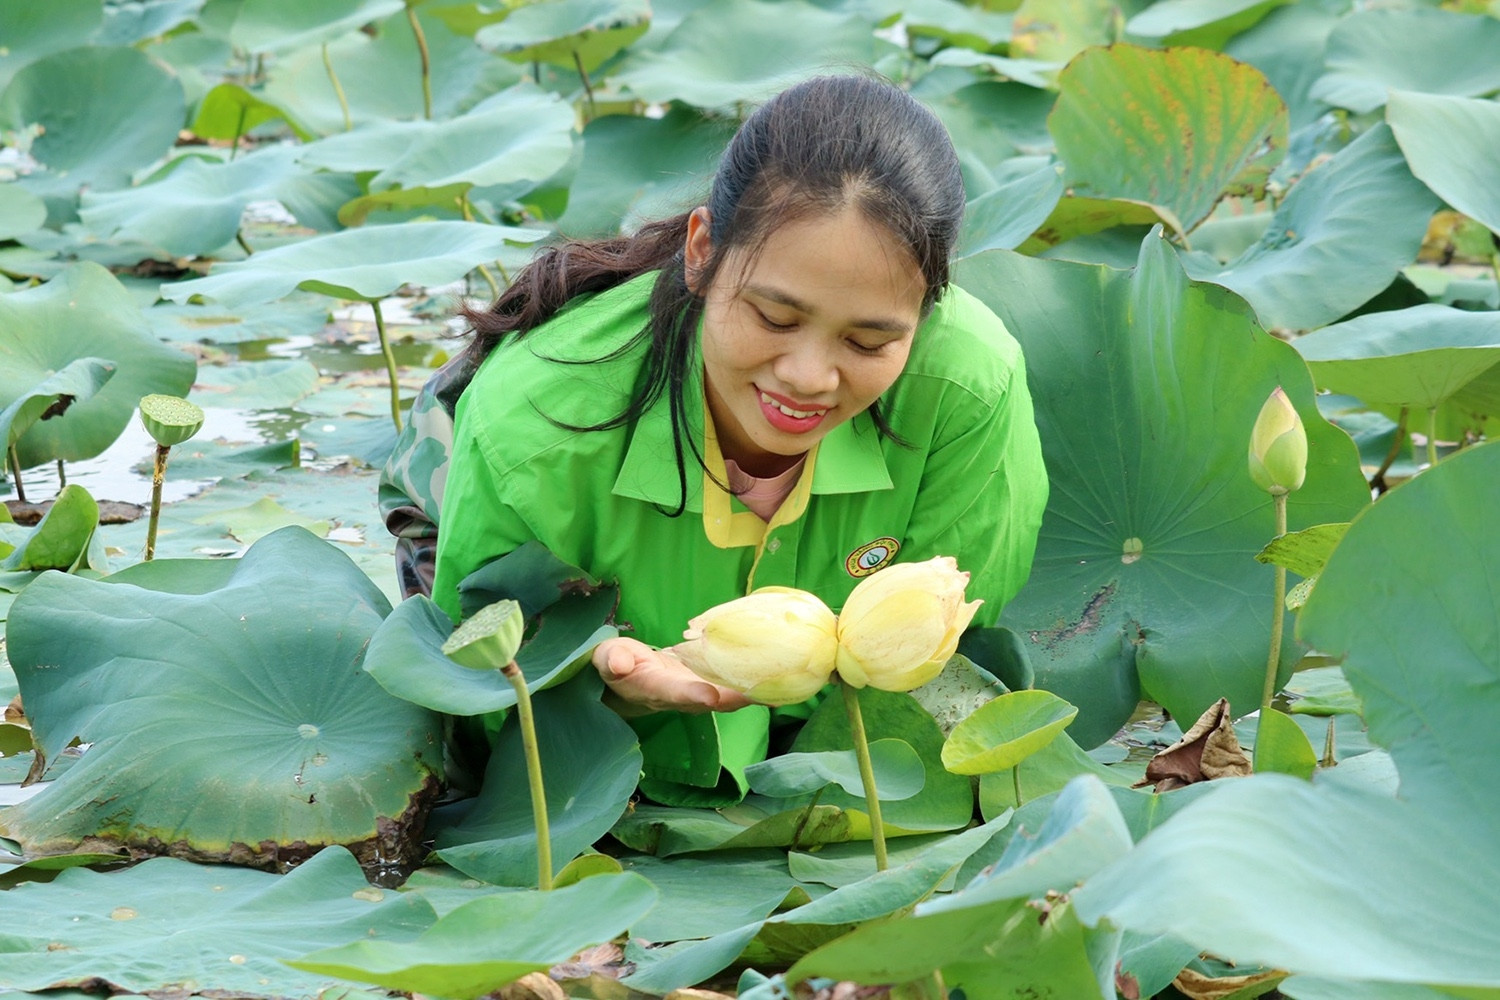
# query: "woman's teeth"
[[788, 410]]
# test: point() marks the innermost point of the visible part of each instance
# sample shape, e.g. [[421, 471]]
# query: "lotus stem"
[[338, 90], [1015, 780], [1377, 481], [588, 90], [1278, 612], [421, 37], [802, 820], [239, 237], [468, 214], [866, 772], [15, 472], [512, 673], [1431, 436], [390, 364], [62, 476], [1329, 758], [158, 474]]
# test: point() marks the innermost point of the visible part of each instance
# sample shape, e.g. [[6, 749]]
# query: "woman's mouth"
[[784, 417]]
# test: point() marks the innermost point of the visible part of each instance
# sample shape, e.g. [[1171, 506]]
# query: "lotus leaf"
[[167, 925], [956, 23], [135, 108], [61, 539], [568, 32], [898, 772], [1198, 23], [32, 31], [256, 385], [1372, 52], [1339, 237], [83, 312], [1444, 139], [1057, 30], [229, 111], [21, 212], [129, 23], [1003, 218], [284, 25], [1149, 504], [1179, 129], [494, 940], [1392, 603], [364, 264], [233, 724], [1005, 731], [729, 52], [75, 382]]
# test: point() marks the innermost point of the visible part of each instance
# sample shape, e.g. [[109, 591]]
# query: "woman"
[[776, 388]]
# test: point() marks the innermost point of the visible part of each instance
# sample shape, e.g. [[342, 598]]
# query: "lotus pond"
[[234, 751]]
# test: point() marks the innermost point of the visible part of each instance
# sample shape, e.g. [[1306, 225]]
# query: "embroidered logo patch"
[[871, 556]]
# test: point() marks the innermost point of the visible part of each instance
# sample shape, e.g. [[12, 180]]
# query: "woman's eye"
[[866, 348], [771, 324]]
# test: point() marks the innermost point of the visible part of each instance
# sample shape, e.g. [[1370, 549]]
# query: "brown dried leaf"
[[1197, 986], [606, 960], [1207, 751], [695, 994], [15, 714], [532, 986]]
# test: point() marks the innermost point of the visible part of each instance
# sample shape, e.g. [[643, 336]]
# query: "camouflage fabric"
[[411, 484]]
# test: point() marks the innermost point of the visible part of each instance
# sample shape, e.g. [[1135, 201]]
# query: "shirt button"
[[773, 545]]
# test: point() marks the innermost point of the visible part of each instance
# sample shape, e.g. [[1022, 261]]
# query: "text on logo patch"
[[871, 556]]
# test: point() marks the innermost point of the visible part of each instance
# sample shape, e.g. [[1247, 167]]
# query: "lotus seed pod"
[[1278, 446], [775, 645], [170, 420], [489, 639], [902, 624]]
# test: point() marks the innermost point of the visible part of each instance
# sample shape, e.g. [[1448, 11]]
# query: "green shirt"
[[967, 482]]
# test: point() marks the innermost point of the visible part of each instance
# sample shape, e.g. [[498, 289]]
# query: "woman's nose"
[[807, 371]]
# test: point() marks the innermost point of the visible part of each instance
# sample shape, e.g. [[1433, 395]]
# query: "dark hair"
[[822, 145]]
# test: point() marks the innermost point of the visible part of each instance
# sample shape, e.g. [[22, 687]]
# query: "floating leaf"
[[493, 940], [567, 32], [188, 923], [256, 385], [43, 330], [1179, 128], [1149, 504], [1372, 52], [259, 519], [1340, 236], [1322, 691], [248, 694], [1006, 731], [364, 264], [1444, 139]]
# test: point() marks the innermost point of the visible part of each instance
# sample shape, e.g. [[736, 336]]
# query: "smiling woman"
[[775, 388]]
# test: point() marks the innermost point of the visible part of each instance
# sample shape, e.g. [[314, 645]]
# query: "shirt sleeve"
[[982, 493], [479, 522]]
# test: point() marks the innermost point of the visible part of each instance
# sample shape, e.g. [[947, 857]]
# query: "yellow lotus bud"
[[1278, 446], [776, 645], [902, 623]]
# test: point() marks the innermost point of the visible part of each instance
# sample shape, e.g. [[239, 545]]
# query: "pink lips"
[[785, 422]]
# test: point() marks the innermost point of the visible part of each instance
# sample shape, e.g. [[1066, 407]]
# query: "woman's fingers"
[[657, 681]]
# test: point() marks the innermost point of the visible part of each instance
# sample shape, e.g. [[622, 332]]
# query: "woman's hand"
[[653, 680]]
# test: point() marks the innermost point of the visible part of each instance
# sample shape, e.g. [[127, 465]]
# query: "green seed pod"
[[488, 640], [170, 419]]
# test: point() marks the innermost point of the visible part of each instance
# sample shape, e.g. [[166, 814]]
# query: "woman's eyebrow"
[[780, 297]]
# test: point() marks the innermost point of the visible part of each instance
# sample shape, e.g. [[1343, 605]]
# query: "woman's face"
[[803, 335]]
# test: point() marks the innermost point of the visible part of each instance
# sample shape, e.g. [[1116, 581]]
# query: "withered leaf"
[[1207, 751]]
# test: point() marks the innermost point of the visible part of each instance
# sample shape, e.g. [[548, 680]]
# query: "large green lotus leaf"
[[955, 23], [1410, 613], [1207, 24], [129, 23], [1057, 30], [381, 75], [521, 134], [83, 312], [21, 212], [730, 52], [1338, 238], [76, 381], [256, 385], [589, 783], [1288, 48], [1180, 128], [1447, 140], [494, 940], [105, 112], [1038, 73], [993, 122], [1077, 216], [168, 926], [229, 111], [32, 30], [895, 766], [61, 539], [283, 25], [1004, 218], [1419, 357], [1044, 772], [631, 165], [232, 725], [195, 209], [364, 264], [706, 895], [1372, 52], [1005, 731], [1146, 386], [567, 32], [284, 319]]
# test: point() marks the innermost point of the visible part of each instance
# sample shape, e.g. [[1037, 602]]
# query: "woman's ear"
[[697, 249]]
